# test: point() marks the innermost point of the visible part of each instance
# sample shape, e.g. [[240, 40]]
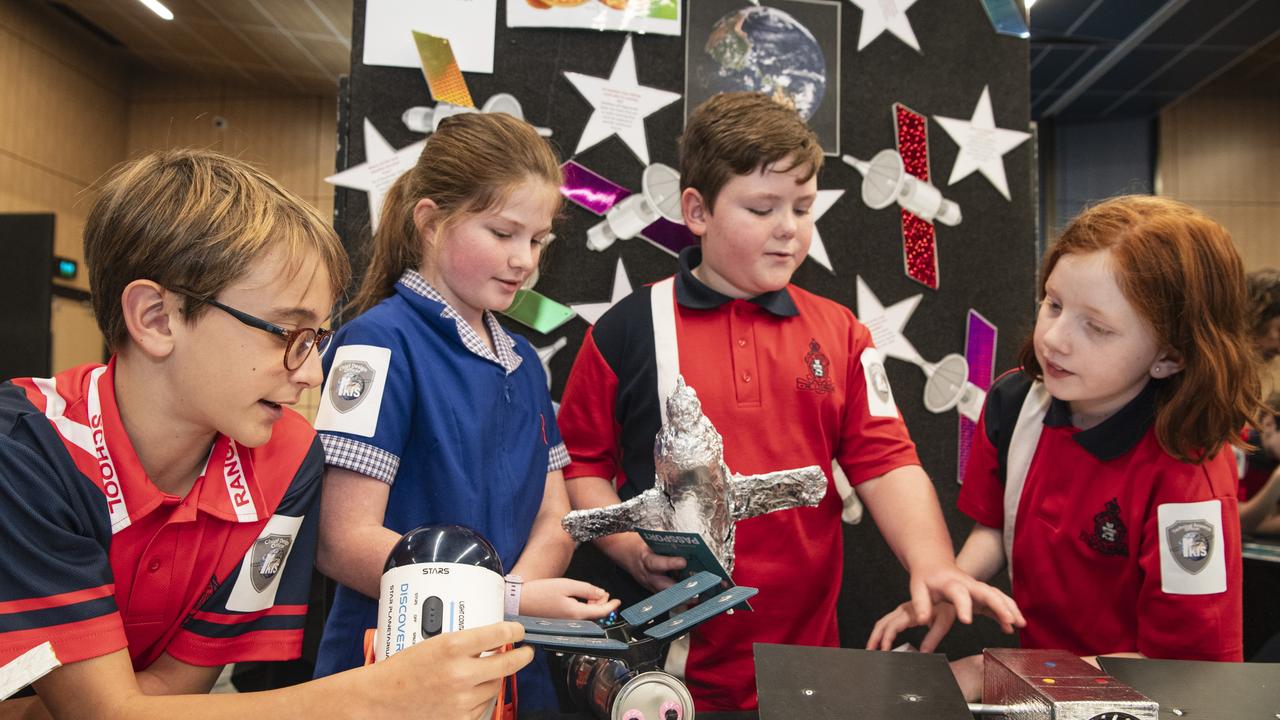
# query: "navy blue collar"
[[694, 294], [1116, 435]]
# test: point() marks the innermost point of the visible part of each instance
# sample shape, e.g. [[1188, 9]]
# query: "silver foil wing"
[[647, 509], [754, 495]]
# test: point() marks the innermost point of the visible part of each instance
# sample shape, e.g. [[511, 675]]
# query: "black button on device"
[[432, 616]]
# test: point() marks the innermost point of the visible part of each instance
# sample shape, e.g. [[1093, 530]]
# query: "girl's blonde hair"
[[1181, 272], [470, 165]]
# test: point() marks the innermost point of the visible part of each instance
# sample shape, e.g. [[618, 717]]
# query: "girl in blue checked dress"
[[432, 412]]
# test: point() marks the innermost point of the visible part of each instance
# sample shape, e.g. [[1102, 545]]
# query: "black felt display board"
[[986, 263]]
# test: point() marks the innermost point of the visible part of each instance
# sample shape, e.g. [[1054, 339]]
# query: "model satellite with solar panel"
[[613, 666], [659, 197], [695, 498]]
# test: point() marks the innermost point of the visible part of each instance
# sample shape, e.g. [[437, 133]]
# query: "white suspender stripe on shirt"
[[1022, 448]]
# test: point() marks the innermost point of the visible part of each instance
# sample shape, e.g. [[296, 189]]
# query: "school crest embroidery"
[[352, 380], [1109, 536], [1191, 544], [818, 365], [269, 554]]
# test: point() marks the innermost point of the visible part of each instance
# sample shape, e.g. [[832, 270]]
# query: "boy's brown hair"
[[195, 220], [1180, 271], [741, 133]]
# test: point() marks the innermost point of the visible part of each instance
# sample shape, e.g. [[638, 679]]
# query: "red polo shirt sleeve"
[[588, 416], [56, 579], [1192, 627], [870, 446]]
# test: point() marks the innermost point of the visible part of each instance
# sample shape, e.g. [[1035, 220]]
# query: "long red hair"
[[1181, 272]]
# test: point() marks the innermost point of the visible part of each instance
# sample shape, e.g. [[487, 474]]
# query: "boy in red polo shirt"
[[788, 378], [158, 513]]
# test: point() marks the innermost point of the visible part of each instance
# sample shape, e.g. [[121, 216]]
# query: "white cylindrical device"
[[438, 578]]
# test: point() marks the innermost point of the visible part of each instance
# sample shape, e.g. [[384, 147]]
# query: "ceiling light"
[[1029, 4], [156, 7]]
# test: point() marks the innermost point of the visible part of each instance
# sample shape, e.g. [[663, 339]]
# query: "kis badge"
[[1191, 543], [353, 380], [269, 554]]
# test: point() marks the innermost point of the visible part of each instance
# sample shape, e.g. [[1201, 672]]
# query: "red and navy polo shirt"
[[1117, 545], [781, 377], [98, 558]]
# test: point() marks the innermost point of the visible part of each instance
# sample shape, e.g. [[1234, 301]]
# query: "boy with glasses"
[[159, 512]]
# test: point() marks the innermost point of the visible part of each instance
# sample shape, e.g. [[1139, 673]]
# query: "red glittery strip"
[[919, 240]]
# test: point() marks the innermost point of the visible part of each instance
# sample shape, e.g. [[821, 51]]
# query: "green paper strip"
[[533, 309]]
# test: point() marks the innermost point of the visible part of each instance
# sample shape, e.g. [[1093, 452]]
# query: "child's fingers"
[[663, 563], [887, 629], [937, 631], [959, 595], [921, 603]]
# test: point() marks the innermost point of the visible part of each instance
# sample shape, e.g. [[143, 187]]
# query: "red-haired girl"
[[1099, 473]]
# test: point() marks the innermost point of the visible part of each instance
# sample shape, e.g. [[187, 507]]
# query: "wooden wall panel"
[[1220, 151], [72, 108], [76, 339]]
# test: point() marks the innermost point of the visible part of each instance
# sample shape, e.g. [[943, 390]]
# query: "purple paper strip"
[[980, 352], [588, 190], [672, 237]]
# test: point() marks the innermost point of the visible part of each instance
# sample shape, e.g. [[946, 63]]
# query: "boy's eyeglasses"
[[298, 342]]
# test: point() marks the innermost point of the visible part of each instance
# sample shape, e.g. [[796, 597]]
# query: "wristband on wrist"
[[511, 598]]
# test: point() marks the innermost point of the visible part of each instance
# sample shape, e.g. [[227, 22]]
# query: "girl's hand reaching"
[[942, 616], [565, 598]]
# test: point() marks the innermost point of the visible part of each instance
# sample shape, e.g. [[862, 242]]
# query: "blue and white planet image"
[[765, 50]]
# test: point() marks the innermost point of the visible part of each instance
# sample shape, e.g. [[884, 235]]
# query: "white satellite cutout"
[[947, 385], [423, 119], [659, 196], [885, 180]]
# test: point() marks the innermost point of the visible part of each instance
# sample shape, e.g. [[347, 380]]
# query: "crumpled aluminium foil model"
[[694, 491]]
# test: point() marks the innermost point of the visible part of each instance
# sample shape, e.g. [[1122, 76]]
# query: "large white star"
[[621, 104], [881, 15], [821, 204], [982, 144], [591, 312], [886, 324], [382, 165]]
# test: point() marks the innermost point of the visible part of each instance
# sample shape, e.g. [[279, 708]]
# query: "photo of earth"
[[789, 49], [763, 49]]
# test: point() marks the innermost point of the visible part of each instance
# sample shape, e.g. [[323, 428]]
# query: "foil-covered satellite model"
[[694, 490]]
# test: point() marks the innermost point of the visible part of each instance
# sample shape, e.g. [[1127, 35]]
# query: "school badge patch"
[[257, 580], [269, 554], [352, 397], [352, 381], [879, 395], [819, 366], [1109, 536], [1191, 542], [1192, 559]]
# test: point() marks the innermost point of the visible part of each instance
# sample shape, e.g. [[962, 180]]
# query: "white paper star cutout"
[[821, 204], [591, 312], [621, 104], [382, 165], [881, 15], [982, 144], [886, 324], [546, 353]]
